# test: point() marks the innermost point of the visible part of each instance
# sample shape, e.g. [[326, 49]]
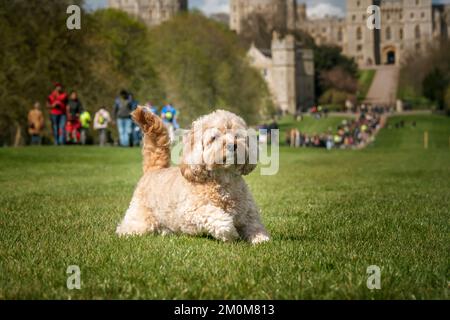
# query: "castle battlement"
[[279, 43], [152, 12]]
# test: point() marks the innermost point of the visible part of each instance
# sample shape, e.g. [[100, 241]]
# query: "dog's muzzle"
[[231, 147]]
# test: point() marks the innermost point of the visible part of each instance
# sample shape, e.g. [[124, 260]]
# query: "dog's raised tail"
[[156, 149]]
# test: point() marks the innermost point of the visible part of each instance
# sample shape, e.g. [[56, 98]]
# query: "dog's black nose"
[[231, 147]]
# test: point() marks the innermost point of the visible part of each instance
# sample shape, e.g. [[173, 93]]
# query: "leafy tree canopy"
[[190, 61]]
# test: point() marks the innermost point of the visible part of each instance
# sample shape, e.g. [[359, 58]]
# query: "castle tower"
[[406, 28], [236, 12], [418, 24], [152, 12], [305, 76], [284, 72], [291, 13], [131, 7], [278, 14], [361, 41], [441, 21], [301, 15]]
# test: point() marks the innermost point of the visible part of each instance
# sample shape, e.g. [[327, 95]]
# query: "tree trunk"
[[18, 136]]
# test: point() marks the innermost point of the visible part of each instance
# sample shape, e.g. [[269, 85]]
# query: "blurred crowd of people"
[[350, 133], [71, 123], [264, 131], [319, 112]]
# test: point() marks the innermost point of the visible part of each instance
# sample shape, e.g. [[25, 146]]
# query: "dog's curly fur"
[[200, 196]]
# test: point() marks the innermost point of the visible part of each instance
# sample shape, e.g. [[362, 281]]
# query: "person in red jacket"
[[57, 103]]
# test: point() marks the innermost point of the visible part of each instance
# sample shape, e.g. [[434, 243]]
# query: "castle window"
[[353, 17], [364, 17], [388, 33], [359, 48], [340, 36], [358, 3], [401, 34], [417, 2], [418, 46], [412, 15], [422, 14], [358, 34], [417, 32], [389, 17]]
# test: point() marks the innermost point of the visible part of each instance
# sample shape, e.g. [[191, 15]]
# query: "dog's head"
[[216, 142]]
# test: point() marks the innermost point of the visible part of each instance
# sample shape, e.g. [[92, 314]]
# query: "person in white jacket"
[[101, 121]]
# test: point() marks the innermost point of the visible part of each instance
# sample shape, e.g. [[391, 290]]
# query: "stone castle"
[[152, 12], [288, 70], [407, 26]]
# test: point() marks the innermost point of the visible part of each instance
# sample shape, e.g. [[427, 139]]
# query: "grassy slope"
[[331, 215], [310, 125], [364, 82]]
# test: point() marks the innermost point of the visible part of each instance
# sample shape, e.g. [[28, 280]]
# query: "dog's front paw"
[[133, 229], [122, 231], [225, 234], [259, 238]]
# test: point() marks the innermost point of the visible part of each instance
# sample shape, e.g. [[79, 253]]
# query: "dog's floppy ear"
[[251, 156], [192, 165], [245, 169]]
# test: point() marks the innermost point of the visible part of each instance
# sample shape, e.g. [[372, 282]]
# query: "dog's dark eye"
[[214, 138]]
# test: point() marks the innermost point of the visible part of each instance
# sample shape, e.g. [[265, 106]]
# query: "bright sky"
[[318, 8]]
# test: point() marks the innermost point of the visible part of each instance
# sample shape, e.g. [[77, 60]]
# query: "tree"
[[192, 61], [334, 71], [447, 100], [328, 57], [419, 75], [36, 50], [435, 86], [339, 79], [202, 66], [120, 58]]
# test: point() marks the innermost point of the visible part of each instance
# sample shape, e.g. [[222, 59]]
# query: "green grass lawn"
[[365, 79], [310, 125], [330, 214]]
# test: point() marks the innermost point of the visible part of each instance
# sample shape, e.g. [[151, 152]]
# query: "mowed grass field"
[[330, 215], [310, 125]]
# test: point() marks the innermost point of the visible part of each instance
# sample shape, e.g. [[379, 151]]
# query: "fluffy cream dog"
[[201, 196]]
